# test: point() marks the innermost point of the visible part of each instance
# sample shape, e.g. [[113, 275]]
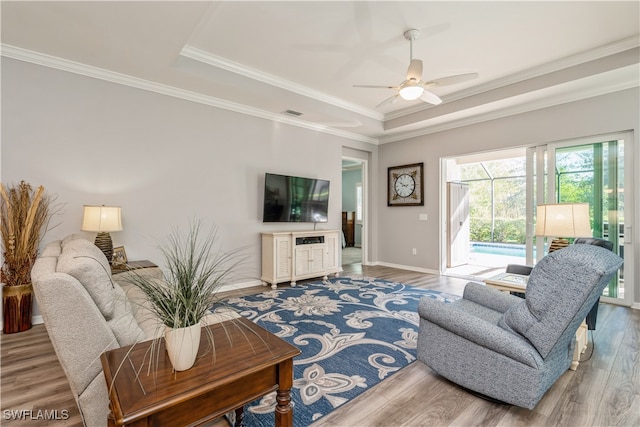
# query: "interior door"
[[458, 224]]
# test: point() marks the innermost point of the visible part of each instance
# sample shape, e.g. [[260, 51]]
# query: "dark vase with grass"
[[16, 308]]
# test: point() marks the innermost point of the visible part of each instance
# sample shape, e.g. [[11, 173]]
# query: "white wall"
[[400, 229], [163, 159]]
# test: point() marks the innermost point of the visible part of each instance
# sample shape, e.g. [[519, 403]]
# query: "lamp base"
[[104, 242], [558, 244]]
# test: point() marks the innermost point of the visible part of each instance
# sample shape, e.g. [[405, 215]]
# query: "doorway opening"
[[486, 212], [353, 210]]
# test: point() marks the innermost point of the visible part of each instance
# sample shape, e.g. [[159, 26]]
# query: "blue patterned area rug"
[[353, 333]]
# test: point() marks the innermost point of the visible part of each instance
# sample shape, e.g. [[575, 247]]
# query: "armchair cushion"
[[543, 316], [473, 323]]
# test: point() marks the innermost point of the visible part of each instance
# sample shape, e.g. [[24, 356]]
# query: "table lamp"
[[562, 220], [102, 219]]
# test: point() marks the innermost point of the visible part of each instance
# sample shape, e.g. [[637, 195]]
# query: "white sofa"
[[87, 311]]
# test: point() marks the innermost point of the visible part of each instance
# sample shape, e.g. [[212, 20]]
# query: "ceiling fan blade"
[[415, 70], [389, 100], [450, 80], [376, 87], [430, 98]]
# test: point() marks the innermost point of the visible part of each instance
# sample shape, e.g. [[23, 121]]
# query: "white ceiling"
[[265, 57]]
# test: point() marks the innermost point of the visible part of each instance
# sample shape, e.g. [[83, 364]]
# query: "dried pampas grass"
[[25, 215]]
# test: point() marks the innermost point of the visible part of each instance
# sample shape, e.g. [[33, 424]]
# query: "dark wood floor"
[[603, 391]]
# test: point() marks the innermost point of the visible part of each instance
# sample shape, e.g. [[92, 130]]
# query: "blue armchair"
[[513, 349]]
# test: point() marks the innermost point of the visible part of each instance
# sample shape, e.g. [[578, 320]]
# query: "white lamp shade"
[[101, 218], [563, 220]]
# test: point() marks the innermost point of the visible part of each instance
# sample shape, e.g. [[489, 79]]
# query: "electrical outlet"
[[414, 251]]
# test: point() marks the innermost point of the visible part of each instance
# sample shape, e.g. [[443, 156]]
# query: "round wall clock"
[[406, 185]]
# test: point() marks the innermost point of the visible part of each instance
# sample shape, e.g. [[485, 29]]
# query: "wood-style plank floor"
[[603, 391]]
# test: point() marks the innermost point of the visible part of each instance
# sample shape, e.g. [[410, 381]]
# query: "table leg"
[[239, 417], [581, 345], [284, 409]]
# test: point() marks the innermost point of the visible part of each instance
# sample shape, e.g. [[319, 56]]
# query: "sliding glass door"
[[591, 171]]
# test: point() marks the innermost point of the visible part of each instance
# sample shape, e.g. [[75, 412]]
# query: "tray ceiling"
[[266, 58]]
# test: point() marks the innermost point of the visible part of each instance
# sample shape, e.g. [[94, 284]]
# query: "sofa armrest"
[[478, 331], [489, 297], [65, 305]]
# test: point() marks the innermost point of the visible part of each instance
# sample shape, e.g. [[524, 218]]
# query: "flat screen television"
[[295, 199]]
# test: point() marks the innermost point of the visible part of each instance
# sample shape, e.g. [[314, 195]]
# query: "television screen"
[[295, 199]]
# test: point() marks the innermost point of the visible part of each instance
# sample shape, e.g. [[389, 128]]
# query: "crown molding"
[[199, 55], [50, 61], [252, 73], [541, 70]]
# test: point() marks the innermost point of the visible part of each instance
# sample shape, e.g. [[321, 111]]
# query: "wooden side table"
[[249, 362], [132, 265], [510, 282]]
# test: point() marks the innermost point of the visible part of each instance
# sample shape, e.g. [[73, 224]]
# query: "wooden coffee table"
[[249, 362]]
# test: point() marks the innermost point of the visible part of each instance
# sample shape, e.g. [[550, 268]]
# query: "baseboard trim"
[[407, 267], [242, 285], [35, 320]]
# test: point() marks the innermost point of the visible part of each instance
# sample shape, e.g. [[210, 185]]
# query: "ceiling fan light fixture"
[[410, 91], [413, 87]]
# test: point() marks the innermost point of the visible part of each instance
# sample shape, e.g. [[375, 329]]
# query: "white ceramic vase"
[[182, 346]]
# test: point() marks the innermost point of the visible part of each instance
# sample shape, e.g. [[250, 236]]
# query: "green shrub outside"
[[505, 231]]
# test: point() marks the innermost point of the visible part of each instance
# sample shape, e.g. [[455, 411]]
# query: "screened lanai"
[[496, 195]]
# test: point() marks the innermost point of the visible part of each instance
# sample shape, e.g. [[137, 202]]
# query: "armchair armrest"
[[489, 297], [478, 331]]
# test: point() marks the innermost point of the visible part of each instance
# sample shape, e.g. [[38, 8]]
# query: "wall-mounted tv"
[[295, 199]]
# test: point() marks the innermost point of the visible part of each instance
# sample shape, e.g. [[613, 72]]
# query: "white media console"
[[291, 256]]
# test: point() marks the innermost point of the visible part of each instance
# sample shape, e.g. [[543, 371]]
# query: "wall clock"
[[405, 185]]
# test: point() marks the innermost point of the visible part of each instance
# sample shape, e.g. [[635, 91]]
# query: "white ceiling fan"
[[413, 87]]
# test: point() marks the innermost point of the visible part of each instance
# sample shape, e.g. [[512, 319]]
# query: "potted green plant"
[[195, 269], [24, 219]]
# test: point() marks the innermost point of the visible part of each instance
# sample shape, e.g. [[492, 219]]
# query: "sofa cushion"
[[123, 323], [83, 245], [85, 262], [142, 309], [71, 237], [53, 249]]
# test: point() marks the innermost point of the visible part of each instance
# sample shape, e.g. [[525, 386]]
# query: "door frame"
[[364, 172], [629, 191]]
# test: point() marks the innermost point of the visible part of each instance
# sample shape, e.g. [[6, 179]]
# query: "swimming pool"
[[505, 249]]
